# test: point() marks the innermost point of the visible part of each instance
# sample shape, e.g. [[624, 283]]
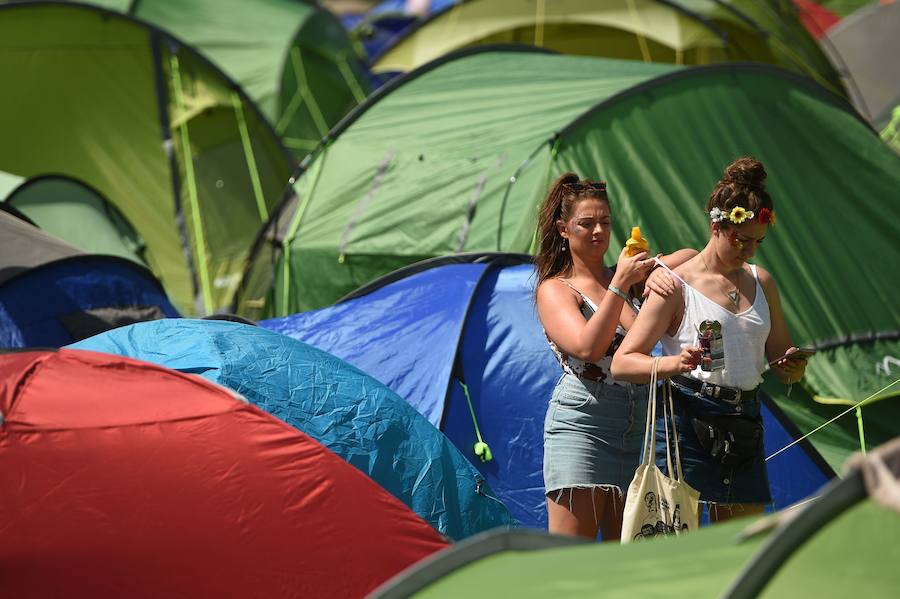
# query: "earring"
[[564, 245]]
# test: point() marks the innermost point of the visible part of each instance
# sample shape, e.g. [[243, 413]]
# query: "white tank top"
[[744, 335]]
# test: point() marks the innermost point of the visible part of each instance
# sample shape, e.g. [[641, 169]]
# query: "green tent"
[[691, 32], [843, 543], [291, 57], [55, 202], [456, 157], [119, 105]]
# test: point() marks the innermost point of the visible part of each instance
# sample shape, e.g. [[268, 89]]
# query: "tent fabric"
[[816, 18], [291, 57], [134, 480], [23, 246], [370, 202], [681, 32], [52, 293], [153, 127], [347, 411], [79, 214], [482, 330], [841, 544], [865, 45]]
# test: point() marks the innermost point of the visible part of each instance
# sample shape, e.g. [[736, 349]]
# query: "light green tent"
[[679, 31], [118, 105], [457, 156], [291, 57], [79, 214], [844, 543]]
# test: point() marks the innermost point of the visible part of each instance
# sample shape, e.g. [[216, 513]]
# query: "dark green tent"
[[457, 155], [842, 543], [152, 126]]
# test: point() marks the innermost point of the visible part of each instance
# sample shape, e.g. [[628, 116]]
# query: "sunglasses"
[[585, 186]]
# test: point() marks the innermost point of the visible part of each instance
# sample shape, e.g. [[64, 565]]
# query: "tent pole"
[[191, 184], [350, 78], [162, 98], [294, 227], [249, 157], [540, 9]]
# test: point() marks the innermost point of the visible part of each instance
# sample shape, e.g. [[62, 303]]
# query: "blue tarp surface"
[[501, 355], [32, 303], [346, 410]]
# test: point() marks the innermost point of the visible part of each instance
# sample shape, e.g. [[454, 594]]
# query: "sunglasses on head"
[[585, 186]]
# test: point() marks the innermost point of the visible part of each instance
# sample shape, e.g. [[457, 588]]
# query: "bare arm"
[[632, 361], [779, 341], [559, 311]]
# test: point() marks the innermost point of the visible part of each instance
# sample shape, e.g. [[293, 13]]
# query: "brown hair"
[[743, 184], [566, 191]]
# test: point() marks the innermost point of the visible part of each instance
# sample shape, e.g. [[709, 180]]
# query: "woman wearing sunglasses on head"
[[594, 425]]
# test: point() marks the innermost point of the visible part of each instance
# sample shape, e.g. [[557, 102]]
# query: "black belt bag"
[[733, 440]]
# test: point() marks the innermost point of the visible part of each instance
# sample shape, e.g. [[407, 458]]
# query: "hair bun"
[[746, 171]]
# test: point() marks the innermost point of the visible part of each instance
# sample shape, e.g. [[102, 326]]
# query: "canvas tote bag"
[[656, 504]]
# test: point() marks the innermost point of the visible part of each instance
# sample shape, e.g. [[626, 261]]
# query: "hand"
[[792, 369], [686, 361], [661, 282], [631, 269]]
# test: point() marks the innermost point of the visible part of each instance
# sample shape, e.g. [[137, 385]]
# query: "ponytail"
[[552, 258]]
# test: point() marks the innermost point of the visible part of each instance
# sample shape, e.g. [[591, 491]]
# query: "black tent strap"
[[863, 337]]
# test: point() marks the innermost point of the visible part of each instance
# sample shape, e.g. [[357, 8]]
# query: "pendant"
[[734, 296]]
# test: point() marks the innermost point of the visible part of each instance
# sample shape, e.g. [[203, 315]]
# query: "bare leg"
[[581, 512], [723, 512]]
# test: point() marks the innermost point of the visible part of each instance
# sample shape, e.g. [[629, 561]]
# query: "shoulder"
[[765, 278], [554, 290]]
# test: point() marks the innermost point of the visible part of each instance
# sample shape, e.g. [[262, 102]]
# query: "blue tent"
[[346, 410], [52, 293], [426, 330]]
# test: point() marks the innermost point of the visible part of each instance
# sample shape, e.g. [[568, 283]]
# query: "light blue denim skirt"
[[593, 434]]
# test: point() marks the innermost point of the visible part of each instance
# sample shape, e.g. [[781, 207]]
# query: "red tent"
[[121, 478], [816, 18]]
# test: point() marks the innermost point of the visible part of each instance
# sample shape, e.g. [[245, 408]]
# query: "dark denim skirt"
[[717, 483]]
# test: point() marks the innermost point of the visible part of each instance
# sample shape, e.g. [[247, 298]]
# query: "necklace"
[[734, 296]]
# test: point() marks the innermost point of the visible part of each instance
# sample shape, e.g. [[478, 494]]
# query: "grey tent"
[[865, 47]]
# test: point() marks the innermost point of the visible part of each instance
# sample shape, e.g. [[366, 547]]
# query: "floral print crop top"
[[592, 371]]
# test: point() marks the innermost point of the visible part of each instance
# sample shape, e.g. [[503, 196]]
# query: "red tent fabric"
[[816, 18], [121, 478]]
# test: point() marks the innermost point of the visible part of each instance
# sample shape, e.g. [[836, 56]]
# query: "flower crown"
[[739, 214]]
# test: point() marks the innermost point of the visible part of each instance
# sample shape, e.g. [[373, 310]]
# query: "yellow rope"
[[820, 427]]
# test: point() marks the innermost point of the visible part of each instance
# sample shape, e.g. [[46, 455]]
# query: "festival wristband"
[[612, 288]]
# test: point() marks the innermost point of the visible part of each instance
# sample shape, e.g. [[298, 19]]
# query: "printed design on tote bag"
[[667, 522]]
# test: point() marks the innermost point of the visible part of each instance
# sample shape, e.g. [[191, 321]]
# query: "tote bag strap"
[[648, 454], [667, 397]]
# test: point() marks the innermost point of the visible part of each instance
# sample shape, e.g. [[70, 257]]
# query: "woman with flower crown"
[[594, 425], [719, 330]]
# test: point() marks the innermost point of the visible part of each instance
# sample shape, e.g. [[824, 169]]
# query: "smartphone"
[[803, 353]]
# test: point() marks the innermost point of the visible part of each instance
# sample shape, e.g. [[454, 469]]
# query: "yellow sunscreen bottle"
[[636, 244]]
